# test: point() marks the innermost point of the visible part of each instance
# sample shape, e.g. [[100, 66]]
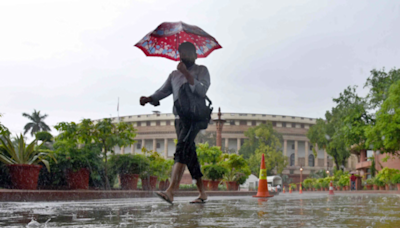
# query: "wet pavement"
[[284, 210]]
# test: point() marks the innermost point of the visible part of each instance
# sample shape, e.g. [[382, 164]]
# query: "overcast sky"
[[73, 59]]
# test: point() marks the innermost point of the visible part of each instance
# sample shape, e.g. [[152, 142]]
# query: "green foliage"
[[128, 164], [103, 133], [3, 129], [378, 182], [44, 136], [344, 180], [205, 137], [267, 142], [369, 181], [214, 171], [293, 186], [242, 174], [23, 153], [318, 174], [326, 135], [386, 175], [159, 166], [379, 83], [207, 154], [385, 134], [354, 118], [233, 163], [396, 179], [317, 185], [37, 122], [308, 183], [73, 158]]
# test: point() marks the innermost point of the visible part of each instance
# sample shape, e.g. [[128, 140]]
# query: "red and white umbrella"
[[166, 38]]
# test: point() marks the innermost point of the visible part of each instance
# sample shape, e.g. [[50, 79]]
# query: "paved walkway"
[[13, 195]]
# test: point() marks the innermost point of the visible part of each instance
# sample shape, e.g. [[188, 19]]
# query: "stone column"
[[155, 145], [238, 145], [122, 150], [219, 125], [143, 144], [226, 144], [285, 147], [165, 148], [296, 156], [133, 148], [306, 154]]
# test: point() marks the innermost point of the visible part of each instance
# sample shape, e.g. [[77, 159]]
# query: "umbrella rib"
[[194, 41]]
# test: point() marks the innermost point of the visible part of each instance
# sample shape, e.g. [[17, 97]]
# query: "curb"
[[73, 195]]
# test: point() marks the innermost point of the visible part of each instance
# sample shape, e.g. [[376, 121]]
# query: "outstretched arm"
[[164, 91]]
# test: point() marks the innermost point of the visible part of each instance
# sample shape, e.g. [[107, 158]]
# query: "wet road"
[[285, 210]]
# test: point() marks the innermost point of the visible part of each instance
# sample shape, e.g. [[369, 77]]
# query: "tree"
[[385, 134], [104, 133], [354, 117], [252, 142], [207, 154], [37, 123], [379, 83], [327, 134], [269, 143], [206, 137]]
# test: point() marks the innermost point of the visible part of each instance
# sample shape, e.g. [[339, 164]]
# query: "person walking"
[[198, 78], [353, 179]]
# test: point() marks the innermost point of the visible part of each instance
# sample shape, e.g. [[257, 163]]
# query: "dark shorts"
[[186, 149]]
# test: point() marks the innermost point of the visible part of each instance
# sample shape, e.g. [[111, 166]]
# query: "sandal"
[[196, 201], [164, 197]]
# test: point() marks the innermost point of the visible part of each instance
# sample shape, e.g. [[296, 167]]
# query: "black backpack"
[[193, 108]]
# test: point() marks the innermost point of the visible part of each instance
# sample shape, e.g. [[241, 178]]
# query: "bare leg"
[[200, 187], [176, 176], [180, 178]]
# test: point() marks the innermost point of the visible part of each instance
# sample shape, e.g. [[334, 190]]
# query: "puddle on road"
[[285, 210]]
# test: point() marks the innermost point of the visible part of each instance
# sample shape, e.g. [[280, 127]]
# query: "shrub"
[[293, 186], [396, 179], [344, 180], [72, 158], [128, 164], [369, 181], [386, 174], [21, 153], [307, 183], [378, 182], [214, 171]]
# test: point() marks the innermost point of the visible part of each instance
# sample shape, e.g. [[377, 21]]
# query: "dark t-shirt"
[[353, 178]]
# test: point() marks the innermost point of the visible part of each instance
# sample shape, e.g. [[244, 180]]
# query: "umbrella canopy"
[[166, 38]]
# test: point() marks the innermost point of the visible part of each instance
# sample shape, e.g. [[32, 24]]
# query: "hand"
[[182, 67], [145, 100]]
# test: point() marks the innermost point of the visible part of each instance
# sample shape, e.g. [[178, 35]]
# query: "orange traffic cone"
[[262, 181], [331, 189], [300, 189], [290, 190], [283, 191]]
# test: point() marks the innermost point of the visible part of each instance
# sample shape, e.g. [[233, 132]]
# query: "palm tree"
[[37, 123]]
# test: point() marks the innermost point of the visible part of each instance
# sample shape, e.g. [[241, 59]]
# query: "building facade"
[[363, 165], [157, 132]]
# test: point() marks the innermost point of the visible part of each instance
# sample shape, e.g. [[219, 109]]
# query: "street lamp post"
[[301, 179]]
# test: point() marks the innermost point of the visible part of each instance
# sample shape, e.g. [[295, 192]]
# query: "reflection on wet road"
[[285, 210]]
